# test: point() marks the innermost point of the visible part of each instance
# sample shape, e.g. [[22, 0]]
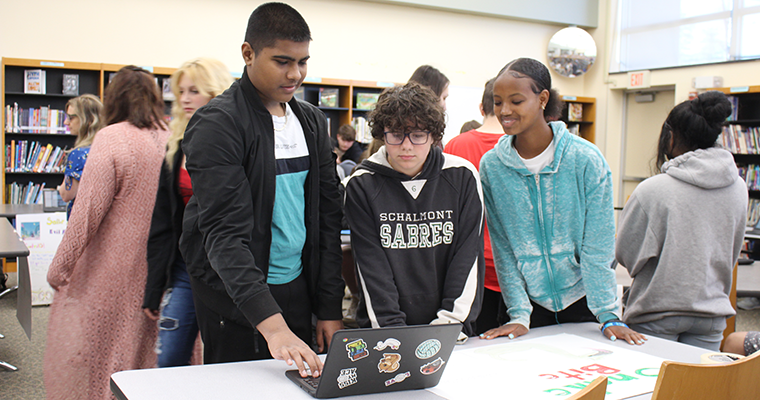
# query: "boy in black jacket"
[[261, 234], [416, 218]]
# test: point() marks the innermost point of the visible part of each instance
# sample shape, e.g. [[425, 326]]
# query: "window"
[[670, 33]]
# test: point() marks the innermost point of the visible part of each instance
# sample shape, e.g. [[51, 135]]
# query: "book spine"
[[13, 155]]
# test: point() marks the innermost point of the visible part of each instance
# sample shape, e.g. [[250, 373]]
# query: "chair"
[[737, 380], [594, 391]]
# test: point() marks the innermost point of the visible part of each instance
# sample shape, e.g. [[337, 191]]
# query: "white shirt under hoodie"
[[679, 236]]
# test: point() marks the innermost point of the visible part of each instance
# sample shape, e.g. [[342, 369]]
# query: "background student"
[[471, 146], [548, 195], [194, 84], [681, 231], [742, 343], [261, 234], [96, 327], [416, 219], [349, 151], [434, 79], [83, 120]]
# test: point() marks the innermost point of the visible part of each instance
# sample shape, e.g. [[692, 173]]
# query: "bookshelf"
[[92, 79], [741, 136], [40, 133], [345, 110], [585, 125]]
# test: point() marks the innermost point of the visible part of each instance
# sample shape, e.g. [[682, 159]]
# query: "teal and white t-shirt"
[[288, 218]]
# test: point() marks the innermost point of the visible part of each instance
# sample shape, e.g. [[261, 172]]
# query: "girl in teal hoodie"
[[548, 197]]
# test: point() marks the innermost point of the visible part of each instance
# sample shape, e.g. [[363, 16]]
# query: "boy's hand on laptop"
[[510, 330], [285, 345], [325, 332]]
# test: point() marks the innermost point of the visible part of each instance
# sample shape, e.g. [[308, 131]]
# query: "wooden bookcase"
[[13, 71], [741, 137], [345, 111], [586, 126], [93, 78]]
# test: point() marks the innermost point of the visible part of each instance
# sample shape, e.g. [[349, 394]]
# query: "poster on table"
[[549, 367], [41, 233]]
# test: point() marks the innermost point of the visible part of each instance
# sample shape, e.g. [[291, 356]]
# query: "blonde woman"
[[194, 84], [83, 120]]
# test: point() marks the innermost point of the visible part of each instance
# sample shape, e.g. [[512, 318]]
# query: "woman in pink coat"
[[96, 324]]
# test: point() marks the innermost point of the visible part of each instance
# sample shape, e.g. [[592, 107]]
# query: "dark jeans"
[[576, 312], [224, 340], [493, 312]]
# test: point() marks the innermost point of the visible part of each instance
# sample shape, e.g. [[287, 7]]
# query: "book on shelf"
[[32, 120], [740, 139], [300, 94], [328, 97], [24, 156], [361, 126], [34, 81], [753, 212], [42, 159], [166, 90], [751, 175], [71, 84], [366, 101], [17, 193], [575, 112], [734, 108], [575, 129]]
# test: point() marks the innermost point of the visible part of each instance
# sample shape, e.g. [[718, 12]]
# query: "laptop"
[[52, 201], [361, 361]]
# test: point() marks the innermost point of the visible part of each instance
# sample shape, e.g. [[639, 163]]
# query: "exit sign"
[[638, 79]]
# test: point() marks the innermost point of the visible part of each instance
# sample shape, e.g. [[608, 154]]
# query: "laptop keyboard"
[[313, 382]]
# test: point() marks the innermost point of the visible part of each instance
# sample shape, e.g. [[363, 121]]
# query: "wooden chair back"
[[736, 380], [594, 391]]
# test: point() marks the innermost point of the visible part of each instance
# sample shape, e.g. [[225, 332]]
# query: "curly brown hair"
[[405, 108]]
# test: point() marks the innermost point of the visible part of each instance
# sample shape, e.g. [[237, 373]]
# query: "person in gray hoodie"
[[680, 233]]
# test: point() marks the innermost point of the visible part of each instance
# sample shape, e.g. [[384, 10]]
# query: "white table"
[[266, 379]]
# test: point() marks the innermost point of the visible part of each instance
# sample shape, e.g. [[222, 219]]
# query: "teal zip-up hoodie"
[[553, 233]]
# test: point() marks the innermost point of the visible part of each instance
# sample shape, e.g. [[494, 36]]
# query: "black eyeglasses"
[[416, 137], [72, 116]]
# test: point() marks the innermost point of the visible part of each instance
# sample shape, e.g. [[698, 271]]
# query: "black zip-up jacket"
[[226, 236], [165, 230]]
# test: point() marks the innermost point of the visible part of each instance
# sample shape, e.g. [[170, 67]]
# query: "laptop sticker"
[[432, 367], [390, 342], [428, 349], [389, 363], [347, 378], [398, 378], [357, 350]]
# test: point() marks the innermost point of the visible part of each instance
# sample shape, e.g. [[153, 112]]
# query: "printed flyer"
[[41, 233], [549, 367]]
